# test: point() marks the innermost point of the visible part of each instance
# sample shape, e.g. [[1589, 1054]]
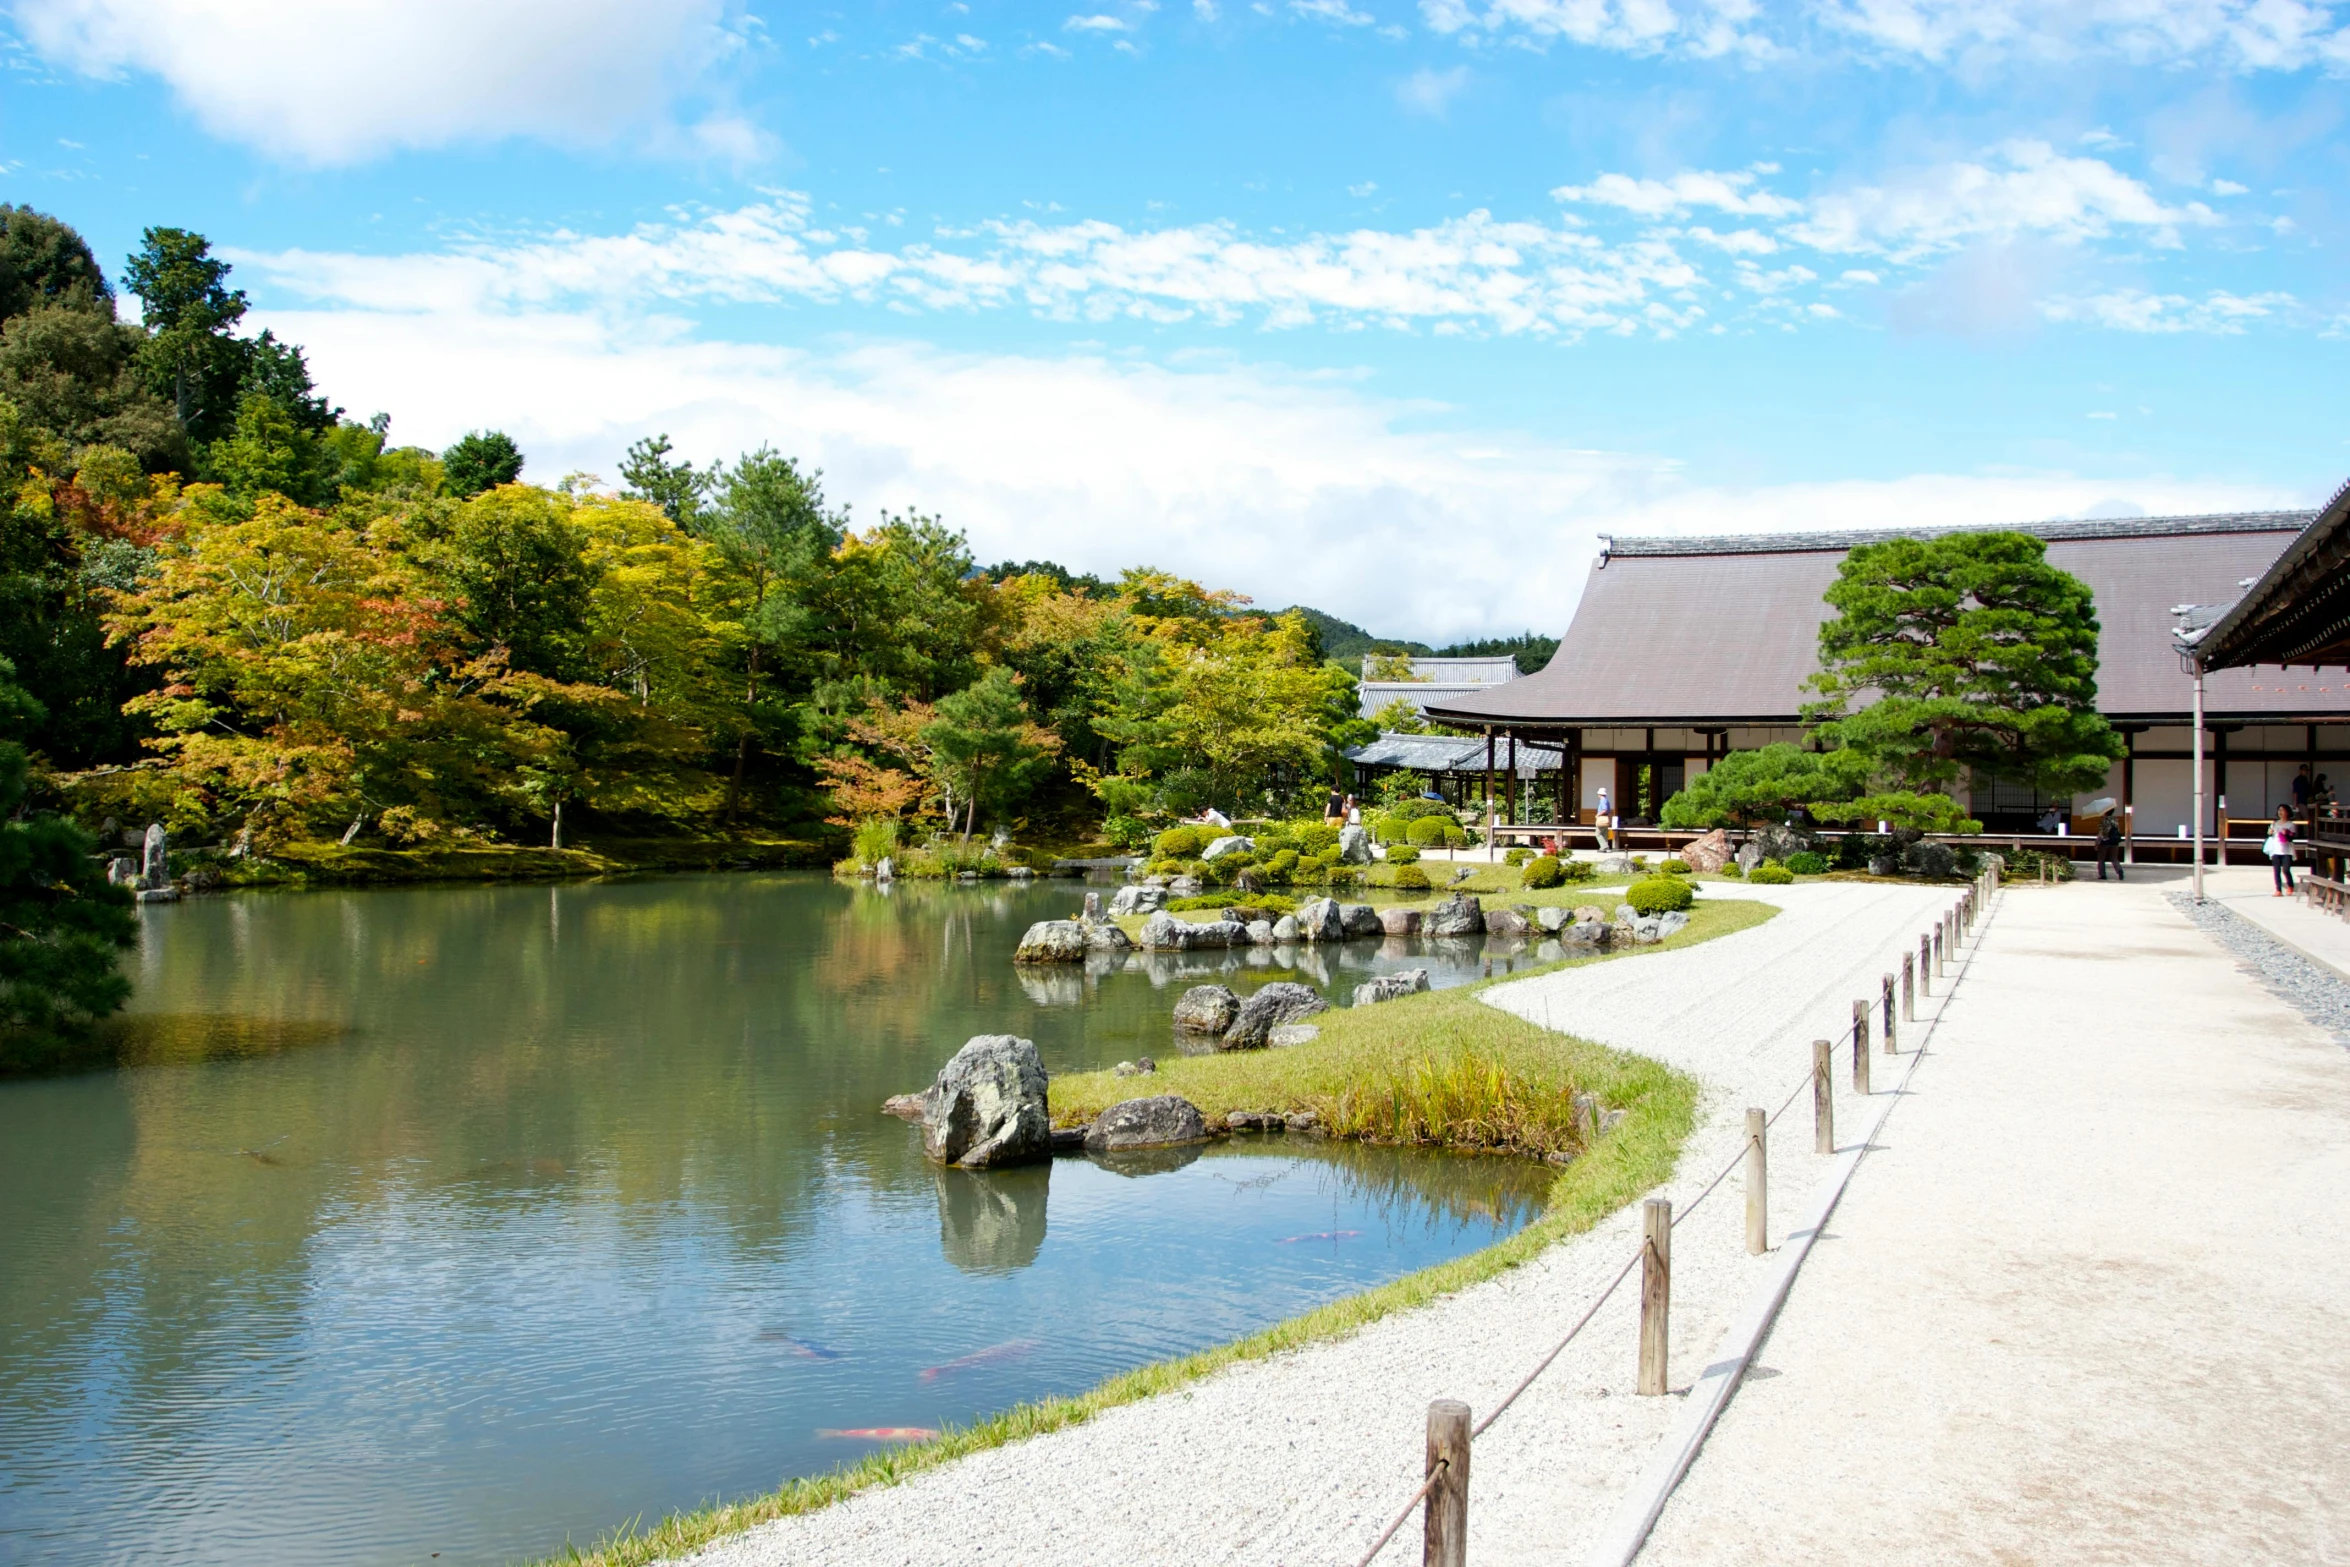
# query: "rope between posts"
[[1851, 1037]]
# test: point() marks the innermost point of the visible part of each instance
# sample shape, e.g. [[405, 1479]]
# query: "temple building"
[[1685, 649]]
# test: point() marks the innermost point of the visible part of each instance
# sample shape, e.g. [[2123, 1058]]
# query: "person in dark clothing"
[[2302, 784], [2109, 845]]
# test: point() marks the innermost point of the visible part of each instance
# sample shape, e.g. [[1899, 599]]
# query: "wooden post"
[[1860, 1047], [1925, 966], [1758, 1184], [1909, 988], [1656, 1292], [1446, 1542], [1939, 970], [1823, 1098], [1888, 999]]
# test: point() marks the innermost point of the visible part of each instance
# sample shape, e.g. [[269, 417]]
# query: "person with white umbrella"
[[2109, 837]]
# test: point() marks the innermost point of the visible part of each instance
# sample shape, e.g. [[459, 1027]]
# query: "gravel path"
[[1304, 1457], [2316, 992], [2082, 1302]]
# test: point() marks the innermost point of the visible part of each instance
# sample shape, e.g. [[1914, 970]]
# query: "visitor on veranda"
[[2109, 845], [2302, 784], [2279, 849]]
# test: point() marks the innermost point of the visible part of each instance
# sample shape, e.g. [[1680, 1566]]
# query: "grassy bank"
[[330, 864], [1636, 1156]]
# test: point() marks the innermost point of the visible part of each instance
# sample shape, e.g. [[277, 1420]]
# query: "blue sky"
[[1390, 307]]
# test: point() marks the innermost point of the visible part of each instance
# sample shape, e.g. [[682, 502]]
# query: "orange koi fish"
[[993, 1355]]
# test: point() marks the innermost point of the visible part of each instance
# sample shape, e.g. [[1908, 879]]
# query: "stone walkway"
[[1303, 1458], [2085, 1302]]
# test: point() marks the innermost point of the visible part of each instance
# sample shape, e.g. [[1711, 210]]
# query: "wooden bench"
[[2326, 892]]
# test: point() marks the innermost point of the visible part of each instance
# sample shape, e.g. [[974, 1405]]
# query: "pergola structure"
[[2295, 614], [1684, 649]]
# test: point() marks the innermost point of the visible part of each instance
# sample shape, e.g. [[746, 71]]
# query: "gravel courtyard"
[[1304, 1457]]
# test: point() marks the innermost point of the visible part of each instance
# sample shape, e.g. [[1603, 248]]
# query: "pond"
[[458, 1223]]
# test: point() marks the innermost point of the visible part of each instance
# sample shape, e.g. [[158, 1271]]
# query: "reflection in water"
[[992, 1221], [468, 1220]]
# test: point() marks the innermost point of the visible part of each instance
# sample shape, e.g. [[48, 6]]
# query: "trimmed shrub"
[[1401, 855], [1673, 866], [1314, 837], [1517, 856], [1659, 895], [1542, 873], [1808, 863], [1184, 843], [1731, 872], [1769, 875], [1281, 866], [1343, 876], [1579, 870], [1414, 810], [1429, 831], [1164, 867], [1411, 879], [1271, 903]]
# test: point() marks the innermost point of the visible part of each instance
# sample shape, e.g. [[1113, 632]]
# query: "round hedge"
[[1428, 831], [1542, 873], [1517, 856], [1411, 878], [1808, 863], [1659, 895], [1768, 875], [1400, 854], [1673, 866], [1182, 843]]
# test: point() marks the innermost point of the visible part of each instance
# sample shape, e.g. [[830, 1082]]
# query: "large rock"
[[1289, 1034], [1232, 845], [1616, 865], [1206, 1009], [1749, 855], [1184, 887], [989, 1105], [1283, 1001], [1391, 987], [1285, 928], [885, 869], [155, 871], [1589, 933], [1553, 919], [1093, 906], [1359, 919], [1458, 915], [1354, 846], [1162, 1121], [1138, 900], [1260, 933], [1399, 922], [1163, 932], [1671, 923], [1106, 936], [1318, 919], [1052, 941], [1708, 854], [1507, 922]]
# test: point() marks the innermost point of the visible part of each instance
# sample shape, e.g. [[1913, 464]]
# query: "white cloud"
[[1431, 92], [1470, 272], [2228, 188], [336, 84], [1335, 11], [1701, 27], [1747, 242], [1297, 487], [2024, 188], [2245, 34], [1096, 24], [1366, 188], [1726, 192], [2135, 310], [1205, 10]]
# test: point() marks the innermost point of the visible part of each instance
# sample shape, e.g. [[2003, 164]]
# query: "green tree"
[[516, 565], [678, 488], [1964, 653], [985, 751], [45, 262], [60, 923], [191, 356], [73, 375], [480, 460], [1749, 788]]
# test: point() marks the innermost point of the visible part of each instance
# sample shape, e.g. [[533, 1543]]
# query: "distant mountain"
[[1530, 650], [1347, 642]]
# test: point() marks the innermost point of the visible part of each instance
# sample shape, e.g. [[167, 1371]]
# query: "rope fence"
[[1444, 1491]]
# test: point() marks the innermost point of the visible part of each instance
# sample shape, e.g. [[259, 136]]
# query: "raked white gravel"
[[1304, 1457]]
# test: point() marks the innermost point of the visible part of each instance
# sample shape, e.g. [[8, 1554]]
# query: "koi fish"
[[1325, 1235], [885, 1434], [800, 1346], [993, 1355]]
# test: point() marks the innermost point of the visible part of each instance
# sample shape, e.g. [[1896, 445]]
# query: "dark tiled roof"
[[2297, 613], [1719, 631]]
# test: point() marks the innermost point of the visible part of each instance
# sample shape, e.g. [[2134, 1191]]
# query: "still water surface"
[[471, 1221]]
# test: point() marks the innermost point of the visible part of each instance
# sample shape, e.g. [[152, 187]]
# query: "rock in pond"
[[1285, 928], [1358, 919], [989, 1105], [1052, 941], [1458, 915], [1391, 987], [155, 869], [1162, 1121], [1164, 932], [1138, 900], [1506, 923], [1400, 922], [1260, 933], [1206, 1009], [1318, 919], [1553, 919], [1354, 846], [1105, 936], [1283, 1001]]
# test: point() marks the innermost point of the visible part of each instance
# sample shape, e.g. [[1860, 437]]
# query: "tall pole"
[[2198, 780]]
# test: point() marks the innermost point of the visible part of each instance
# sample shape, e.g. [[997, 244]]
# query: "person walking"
[[2109, 845], [1333, 808], [1601, 823], [2279, 848]]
